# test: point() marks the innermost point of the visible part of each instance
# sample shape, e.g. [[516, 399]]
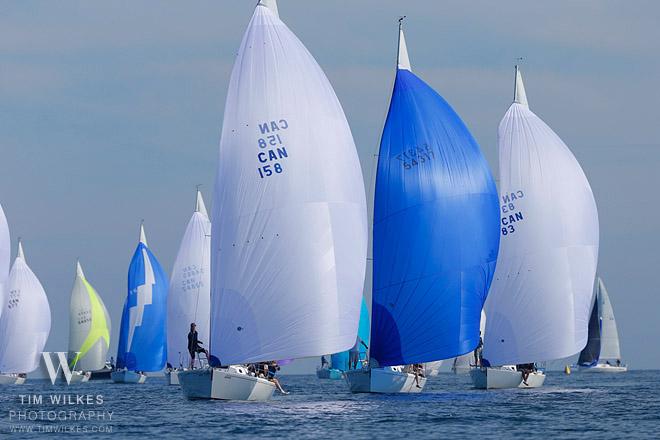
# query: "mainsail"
[[538, 306], [289, 236], [189, 299], [435, 235], [89, 326], [25, 322], [603, 342], [142, 339]]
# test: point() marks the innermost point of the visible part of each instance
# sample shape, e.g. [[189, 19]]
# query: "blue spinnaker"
[[143, 339], [339, 361], [436, 230]]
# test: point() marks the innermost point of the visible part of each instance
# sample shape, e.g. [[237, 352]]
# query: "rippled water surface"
[[579, 405]]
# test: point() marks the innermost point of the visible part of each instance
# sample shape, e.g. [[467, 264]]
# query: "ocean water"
[[567, 407]]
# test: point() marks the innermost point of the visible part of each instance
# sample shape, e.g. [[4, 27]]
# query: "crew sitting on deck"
[[526, 370], [194, 345], [270, 369], [324, 362], [418, 371]]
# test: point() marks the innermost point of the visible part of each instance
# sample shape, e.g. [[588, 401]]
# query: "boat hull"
[[80, 376], [173, 377], [126, 376], [504, 378], [329, 373], [11, 379], [604, 368], [386, 380], [232, 383]]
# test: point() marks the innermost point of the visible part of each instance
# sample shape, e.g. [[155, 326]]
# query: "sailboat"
[[538, 306], [189, 299], [463, 364], [24, 324], [340, 362], [435, 238], [602, 352], [289, 235], [142, 338], [89, 329]]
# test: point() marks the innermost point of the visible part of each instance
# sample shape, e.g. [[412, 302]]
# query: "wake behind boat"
[[602, 353], [431, 267], [548, 253], [289, 233]]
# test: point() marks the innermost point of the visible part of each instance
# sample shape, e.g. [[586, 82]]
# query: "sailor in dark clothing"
[[194, 345]]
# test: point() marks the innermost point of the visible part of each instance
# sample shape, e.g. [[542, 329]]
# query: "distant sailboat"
[[602, 353], [189, 299], [340, 362], [463, 364], [24, 324], [89, 329], [142, 338], [435, 238], [289, 236], [538, 306]]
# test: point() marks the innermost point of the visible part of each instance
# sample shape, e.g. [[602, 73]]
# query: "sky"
[[110, 112]]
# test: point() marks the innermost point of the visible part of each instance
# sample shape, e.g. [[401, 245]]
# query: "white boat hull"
[[11, 379], [383, 380], [329, 373], [126, 376], [503, 378], [173, 377], [232, 383], [80, 376], [604, 368]]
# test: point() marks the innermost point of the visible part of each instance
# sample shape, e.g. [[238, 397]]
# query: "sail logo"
[[509, 214], [62, 363], [144, 295]]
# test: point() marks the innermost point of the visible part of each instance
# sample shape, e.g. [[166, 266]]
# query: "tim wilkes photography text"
[[60, 413]]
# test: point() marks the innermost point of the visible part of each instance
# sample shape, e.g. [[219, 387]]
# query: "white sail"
[[189, 298], [539, 302], [25, 322], [5, 256], [289, 233], [89, 326], [609, 336]]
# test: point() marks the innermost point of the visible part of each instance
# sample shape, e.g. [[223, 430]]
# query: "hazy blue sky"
[[110, 112]]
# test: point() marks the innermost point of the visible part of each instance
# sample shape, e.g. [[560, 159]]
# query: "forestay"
[[89, 326], [539, 304], [142, 339], [189, 299], [289, 237], [25, 322], [436, 235]]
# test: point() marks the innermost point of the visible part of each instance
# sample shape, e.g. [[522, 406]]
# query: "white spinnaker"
[[81, 320], [539, 303], [289, 235], [189, 299], [25, 322], [609, 336]]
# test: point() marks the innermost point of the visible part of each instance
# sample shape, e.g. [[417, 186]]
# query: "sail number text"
[[412, 157], [272, 151], [510, 214]]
